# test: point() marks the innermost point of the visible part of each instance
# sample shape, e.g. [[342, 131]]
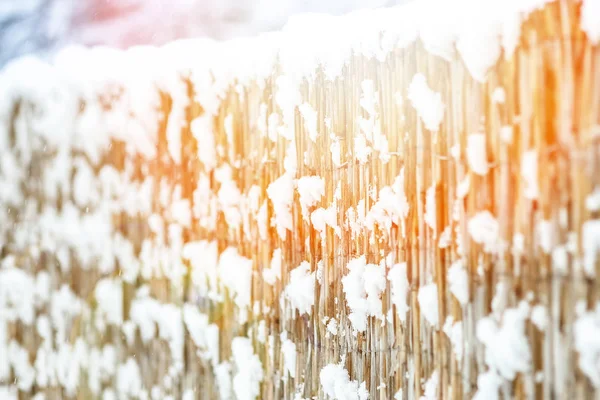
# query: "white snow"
[[202, 130], [337, 385], [310, 120], [546, 232], [363, 286], [287, 98], [462, 189], [129, 379], [321, 218], [428, 303], [507, 350], [506, 134], [311, 189], [235, 273], [368, 98], [335, 149], [477, 154], [224, 381], [427, 103], [529, 172], [204, 335], [17, 295], [288, 348], [203, 256], [430, 208], [488, 386], [300, 291], [399, 287], [454, 331], [273, 273], [499, 95], [228, 196], [9, 392], [362, 150], [539, 317], [586, 333], [591, 245], [592, 201], [431, 387], [485, 230], [458, 282], [248, 369], [560, 259], [445, 239], [590, 19], [109, 296], [332, 326], [281, 194], [391, 206]]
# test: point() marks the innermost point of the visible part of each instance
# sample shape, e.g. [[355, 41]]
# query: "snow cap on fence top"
[[477, 29]]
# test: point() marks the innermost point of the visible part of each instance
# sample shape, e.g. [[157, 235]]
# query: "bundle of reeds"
[[391, 204]]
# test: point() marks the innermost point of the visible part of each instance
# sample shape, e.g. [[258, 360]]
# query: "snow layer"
[[288, 348], [507, 351], [273, 273], [399, 285], [529, 171], [235, 272], [431, 387], [363, 286], [476, 153], [458, 281], [281, 194], [485, 230], [204, 335], [391, 207], [249, 371], [337, 385], [454, 331], [300, 290], [591, 245], [428, 303], [590, 19], [311, 189], [427, 102], [587, 343]]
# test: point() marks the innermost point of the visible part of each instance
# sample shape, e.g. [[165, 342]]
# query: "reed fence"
[[395, 225]]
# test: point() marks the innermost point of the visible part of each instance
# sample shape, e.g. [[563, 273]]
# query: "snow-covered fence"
[[391, 204]]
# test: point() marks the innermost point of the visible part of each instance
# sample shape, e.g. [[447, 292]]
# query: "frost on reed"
[[392, 204]]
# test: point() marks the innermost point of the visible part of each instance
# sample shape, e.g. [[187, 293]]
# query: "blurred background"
[[41, 26]]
